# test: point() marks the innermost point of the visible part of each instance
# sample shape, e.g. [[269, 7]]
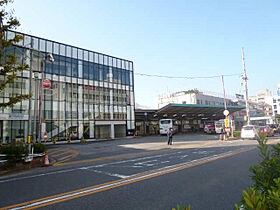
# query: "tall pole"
[[30, 106], [246, 88], [225, 102], [41, 99], [35, 106]]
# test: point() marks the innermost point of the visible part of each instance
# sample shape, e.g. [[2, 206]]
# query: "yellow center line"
[[110, 185]]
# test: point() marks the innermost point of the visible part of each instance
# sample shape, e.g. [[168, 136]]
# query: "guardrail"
[[26, 159]]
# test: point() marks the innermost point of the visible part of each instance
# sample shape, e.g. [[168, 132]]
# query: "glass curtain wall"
[[86, 87]]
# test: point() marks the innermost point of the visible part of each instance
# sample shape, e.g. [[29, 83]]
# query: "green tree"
[[9, 67], [196, 91]]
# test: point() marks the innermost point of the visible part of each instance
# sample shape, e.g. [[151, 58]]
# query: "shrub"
[[264, 193], [183, 208], [15, 152], [236, 133], [39, 147]]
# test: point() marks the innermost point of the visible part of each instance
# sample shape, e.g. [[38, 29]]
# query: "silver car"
[[249, 132]]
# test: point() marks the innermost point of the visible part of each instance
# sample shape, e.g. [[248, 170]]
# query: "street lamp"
[[36, 77], [41, 95]]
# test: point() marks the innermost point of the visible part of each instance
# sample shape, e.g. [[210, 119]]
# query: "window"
[[74, 68], [165, 122], [85, 70], [80, 69], [91, 71]]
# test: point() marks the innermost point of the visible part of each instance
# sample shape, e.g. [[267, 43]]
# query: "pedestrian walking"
[[169, 135]]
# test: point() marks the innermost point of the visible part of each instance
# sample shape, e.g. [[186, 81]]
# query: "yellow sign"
[[29, 139], [226, 122]]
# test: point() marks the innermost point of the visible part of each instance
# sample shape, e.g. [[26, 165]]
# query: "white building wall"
[[182, 98], [276, 101]]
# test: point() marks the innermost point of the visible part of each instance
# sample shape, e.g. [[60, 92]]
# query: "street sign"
[[45, 136], [226, 122], [226, 112], [227, 130], [29, 139], [46, 83]]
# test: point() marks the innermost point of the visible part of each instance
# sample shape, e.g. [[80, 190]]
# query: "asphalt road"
[[141, 173]]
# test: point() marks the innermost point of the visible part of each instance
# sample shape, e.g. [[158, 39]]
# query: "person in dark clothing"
[[169, 135]]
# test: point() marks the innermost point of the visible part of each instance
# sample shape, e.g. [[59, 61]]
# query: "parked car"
[[275, 128], [267, 130], [249, 132]]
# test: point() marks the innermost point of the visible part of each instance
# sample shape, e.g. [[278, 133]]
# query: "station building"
[[91, 94]]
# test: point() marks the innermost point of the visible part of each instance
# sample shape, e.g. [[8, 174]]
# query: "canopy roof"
[[195, 111]]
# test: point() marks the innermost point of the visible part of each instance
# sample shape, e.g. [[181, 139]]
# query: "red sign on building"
[[89, 87]]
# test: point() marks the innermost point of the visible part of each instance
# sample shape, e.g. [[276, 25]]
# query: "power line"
[[186, 77]]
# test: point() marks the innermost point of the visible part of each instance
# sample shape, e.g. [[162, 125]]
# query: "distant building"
[[263, 95], [191, 97], [276, 102]]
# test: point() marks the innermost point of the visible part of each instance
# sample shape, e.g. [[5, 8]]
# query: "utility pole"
[[246, 89], [225, 101]]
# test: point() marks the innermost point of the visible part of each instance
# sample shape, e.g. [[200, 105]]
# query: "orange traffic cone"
[[47, 162]]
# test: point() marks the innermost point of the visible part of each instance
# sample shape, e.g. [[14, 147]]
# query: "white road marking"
[[164, 162], [183, 156], [39, 175], [93, 166], [146, 163], [110, 174], [133, 160], [132, 178]]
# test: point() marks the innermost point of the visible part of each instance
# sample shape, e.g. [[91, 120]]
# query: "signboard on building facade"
[[239, 96], [13, 116]]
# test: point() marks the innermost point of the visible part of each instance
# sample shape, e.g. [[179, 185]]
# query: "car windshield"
[[219, 124], [248, 128], [164, 122]]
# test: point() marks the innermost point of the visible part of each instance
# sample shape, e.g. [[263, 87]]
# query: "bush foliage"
[[265, 192], [39, 147], [15, 152]]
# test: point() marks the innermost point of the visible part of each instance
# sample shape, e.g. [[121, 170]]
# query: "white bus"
[[165, 124], [220, 126]]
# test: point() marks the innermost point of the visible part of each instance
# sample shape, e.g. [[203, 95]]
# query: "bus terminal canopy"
[[195, 111]]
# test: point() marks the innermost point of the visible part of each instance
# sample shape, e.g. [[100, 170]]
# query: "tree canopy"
[[9, 68]]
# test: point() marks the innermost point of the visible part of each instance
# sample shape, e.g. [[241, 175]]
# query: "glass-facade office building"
[[91, 94]]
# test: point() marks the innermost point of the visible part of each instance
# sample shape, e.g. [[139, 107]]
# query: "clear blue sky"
[[177, 38]]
